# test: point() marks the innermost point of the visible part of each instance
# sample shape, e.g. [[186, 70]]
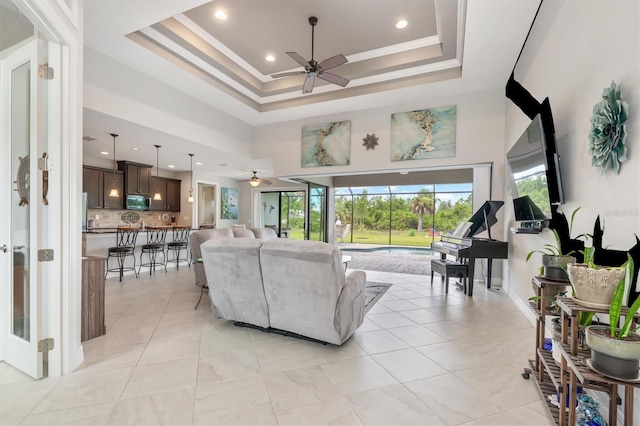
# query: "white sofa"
[[286, 285]]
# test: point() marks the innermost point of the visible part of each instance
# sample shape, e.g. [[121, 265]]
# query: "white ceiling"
[[449, 47]]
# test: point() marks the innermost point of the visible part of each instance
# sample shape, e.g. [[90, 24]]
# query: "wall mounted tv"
[[535, 172]]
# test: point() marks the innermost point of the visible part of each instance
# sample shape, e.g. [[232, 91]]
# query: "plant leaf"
[[573, 214], [616, 308], [626, 328]]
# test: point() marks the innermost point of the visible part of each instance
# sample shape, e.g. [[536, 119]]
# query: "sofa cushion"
[[234, 275], [264, 233], [243, 233]]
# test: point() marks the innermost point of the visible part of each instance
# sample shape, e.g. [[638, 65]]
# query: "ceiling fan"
[[255, 180], [314, 69]]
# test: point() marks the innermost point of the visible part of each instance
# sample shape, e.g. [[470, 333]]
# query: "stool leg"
[[178, 259], [432, 278], [446, 284], [121, 265]]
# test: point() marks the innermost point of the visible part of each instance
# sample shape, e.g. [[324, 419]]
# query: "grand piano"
[[468, 248]]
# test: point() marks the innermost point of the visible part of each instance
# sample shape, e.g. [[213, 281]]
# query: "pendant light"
[[157, 196], [190, 199], [114, 191]]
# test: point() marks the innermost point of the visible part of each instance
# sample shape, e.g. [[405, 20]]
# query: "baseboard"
[[523, 307]]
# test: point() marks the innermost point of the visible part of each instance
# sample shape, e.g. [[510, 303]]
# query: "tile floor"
[[420, 358]]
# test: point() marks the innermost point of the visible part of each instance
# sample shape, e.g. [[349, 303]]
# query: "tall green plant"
[[615, 310]]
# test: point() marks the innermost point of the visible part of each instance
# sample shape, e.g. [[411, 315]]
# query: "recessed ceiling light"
[[135, 148], [198, 164], [404, 172], [104, 153], [270, 58], [401, 24], [221, 15], [171, 166]]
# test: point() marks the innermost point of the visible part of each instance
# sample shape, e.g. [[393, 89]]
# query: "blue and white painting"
[[229, 203], [426, 133], [326, 144]]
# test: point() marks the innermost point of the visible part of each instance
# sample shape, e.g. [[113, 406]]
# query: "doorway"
[[206, 205], [284, 211]]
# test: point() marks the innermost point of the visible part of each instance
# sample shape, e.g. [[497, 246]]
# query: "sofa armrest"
[[350, 306]]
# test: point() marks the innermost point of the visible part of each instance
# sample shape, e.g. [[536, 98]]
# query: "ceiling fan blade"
[[333, 62], [287, 74], [333, 78], [309, 82], [299, 59], [265, 181]]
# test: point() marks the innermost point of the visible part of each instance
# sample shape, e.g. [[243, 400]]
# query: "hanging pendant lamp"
[[157, 196], [190, 199], [114, 191]]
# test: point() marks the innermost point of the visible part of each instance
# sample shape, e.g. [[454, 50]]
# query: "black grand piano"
[[468, 248]]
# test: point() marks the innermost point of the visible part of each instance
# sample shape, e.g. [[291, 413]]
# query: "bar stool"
[[154, 246], [125, 246], [180, 241]]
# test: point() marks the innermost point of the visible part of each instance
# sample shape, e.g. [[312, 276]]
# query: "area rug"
[[373, 293]]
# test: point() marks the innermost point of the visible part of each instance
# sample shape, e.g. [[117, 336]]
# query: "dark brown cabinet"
[[169, 191], [93, 185], [97, 183], [137, 177], [113, 202]]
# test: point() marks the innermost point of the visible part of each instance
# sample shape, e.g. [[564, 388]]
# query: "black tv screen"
[[534, 169]]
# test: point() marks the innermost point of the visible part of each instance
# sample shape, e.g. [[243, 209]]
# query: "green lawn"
[[400, 238]]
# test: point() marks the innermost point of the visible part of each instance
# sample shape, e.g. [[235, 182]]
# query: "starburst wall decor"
[[608, 135], [371, 141]]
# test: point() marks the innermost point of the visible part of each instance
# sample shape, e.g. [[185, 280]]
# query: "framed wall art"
[[327, 144], [426, 133], [229, 203]]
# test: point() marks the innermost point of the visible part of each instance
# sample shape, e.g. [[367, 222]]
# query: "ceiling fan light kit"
[[157, 196], [114, 190], [314, 69]]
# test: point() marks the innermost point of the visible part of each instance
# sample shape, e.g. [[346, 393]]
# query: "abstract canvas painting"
[[326, 144], [229, 203], [427, 133]]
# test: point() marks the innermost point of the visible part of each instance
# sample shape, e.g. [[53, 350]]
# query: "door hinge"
[[45, 72], [45, 345], [45, 255]]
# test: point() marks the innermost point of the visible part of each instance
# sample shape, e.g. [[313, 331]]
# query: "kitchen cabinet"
[[96, 182], [137, 177], [169, 191], [113, 202], [93, 185]]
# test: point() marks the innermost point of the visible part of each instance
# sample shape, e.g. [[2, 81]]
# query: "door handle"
[[4, 248]]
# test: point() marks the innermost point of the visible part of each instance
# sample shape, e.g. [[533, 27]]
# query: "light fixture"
[[134, 148], [254, 181], [401, 24], [157, 196], [198, 163], [190, 199], [221, 15], [114, 191], [104, 153], [171, 166], [270, 58]]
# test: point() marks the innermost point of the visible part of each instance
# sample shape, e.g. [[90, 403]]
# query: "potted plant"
[[555, 258], [594, 285], [615, 350]]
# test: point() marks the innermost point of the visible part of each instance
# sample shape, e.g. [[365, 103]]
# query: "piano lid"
[[484, 218]]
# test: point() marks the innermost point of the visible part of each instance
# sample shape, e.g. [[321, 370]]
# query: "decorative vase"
[[594, 287], [555, 267], [613, 357]]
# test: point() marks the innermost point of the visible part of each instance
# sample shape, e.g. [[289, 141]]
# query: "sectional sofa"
[[282, 285]]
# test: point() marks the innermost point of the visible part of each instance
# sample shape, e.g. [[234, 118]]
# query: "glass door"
[[292, 214], [317, 213], [23, 139]]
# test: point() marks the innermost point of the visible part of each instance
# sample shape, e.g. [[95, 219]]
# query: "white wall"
[[575, 50], [569, 59]]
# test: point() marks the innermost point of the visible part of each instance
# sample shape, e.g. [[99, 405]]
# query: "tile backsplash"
[[112, 218]]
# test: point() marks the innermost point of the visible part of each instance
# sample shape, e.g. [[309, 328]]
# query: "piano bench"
[[447, 268]]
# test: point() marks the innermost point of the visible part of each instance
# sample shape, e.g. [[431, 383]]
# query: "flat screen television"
[[137, 202], [535, 171]]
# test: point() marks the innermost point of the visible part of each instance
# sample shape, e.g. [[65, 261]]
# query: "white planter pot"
[[594, 288], [613, 357]]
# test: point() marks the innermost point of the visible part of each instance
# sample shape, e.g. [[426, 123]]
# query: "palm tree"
[[422, 204]]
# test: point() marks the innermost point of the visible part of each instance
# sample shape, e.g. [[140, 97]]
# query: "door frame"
[[59, 23]]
